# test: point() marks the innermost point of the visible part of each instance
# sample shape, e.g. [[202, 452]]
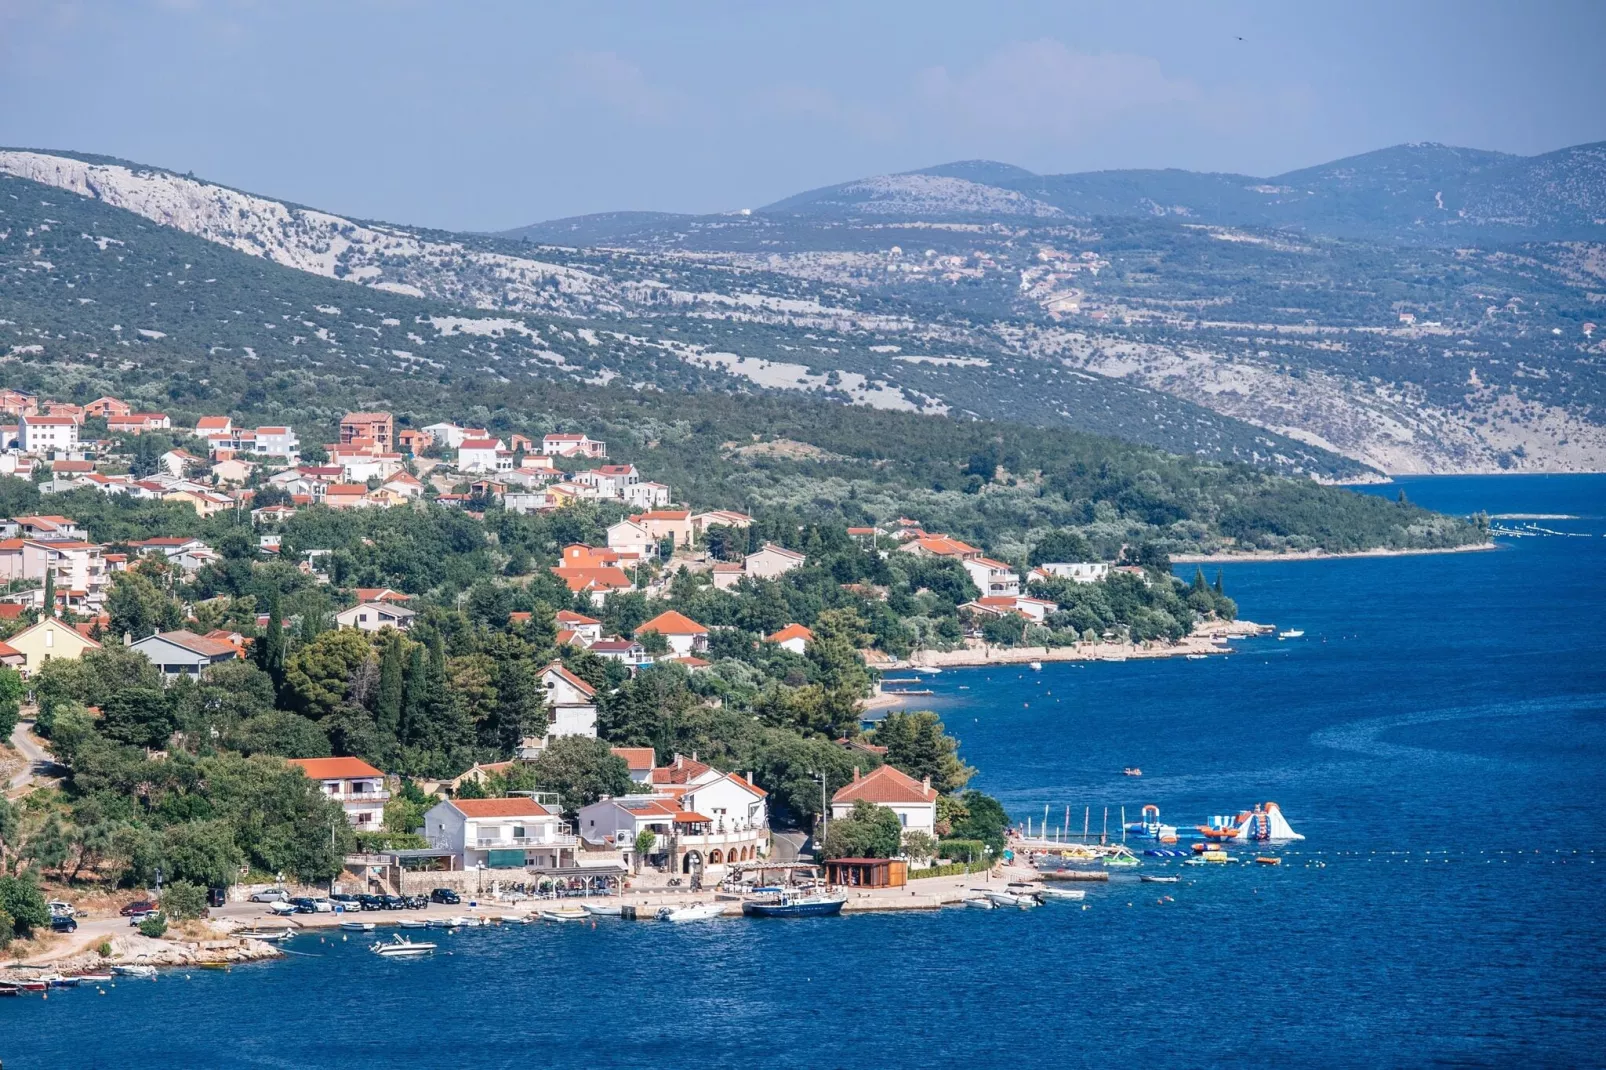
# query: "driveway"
[[39, 761]]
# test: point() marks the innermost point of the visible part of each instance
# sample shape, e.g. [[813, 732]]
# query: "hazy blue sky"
[[490, 115]]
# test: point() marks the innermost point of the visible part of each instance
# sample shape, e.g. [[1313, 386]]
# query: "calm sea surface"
[[1439, 735]]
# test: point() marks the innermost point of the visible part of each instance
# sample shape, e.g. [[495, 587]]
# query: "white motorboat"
[[1011, 899], [463, 921], [980, 902], [357, 926], [265, 934], [401, 947], [694, 912], [413, 923], [1291, 633], [1046, 893], [135, 969], [564, 914], [603, 910], [1036, 666]]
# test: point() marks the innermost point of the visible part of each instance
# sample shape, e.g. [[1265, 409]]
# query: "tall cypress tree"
[[415, 692], [1218, 581], [50, 592], [270, 646], [388, 696], [520, 711]]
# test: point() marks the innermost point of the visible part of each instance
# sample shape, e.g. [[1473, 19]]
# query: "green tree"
[[838, 636], [270, 645], [388, 696], [50, 846], [983, 819], [870, 831], [917, 744], [184, 900], [50, 592], [141, 716], [154, 926], [581, 770], [318, 676], [137, 607], [203, 852], [20, 897], [646, 843], [11, 691]]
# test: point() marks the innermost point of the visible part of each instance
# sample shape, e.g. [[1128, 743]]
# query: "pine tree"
[[311, 626], [1198, 579]]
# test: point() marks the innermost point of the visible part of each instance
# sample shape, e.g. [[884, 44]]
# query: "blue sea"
[[1438, 735]]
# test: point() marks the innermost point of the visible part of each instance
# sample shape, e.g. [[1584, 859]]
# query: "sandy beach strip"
[[1261, 556]]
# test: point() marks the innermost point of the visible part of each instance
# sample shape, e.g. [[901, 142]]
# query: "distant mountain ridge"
[[1421, 192]]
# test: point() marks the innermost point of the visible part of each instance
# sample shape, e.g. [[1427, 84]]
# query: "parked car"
[[269, 895], [135, 919], [393, 902], [304, 905], [63, 923], [444, 895], [417, 902], [138, 906], [371, 902], [343, 898], [61, 907]]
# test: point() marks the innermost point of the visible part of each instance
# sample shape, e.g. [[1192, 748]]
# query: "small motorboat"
[[1198, 657], [33, 984], [794, 905], [95, 978], [1131, 770], [413, 923], [401, 947], [265, 934], [603, 910], [357, 926], [980, 902], [1036, 666], [1155, 878], [135, 969], [564, 914], [463, 921], [1011, 899], [694, 912], [58, 981], [10, 988], [1047, 893], [1292, 633]]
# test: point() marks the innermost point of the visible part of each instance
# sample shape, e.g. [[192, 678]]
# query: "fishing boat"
[[413, 923], [58, 981], [1291, 633], [564, 914], [1035, 666], [694, 912], [1155, 878], [980, 902], [795, 905], [135, 969], [603, 910], [357, 926], [1047, 893], [10, 988], [401, 947]]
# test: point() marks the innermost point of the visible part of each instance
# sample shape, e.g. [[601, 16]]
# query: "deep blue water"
[[1439, 735]]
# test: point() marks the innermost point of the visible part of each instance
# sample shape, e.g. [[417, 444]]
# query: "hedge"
[[953, 870]]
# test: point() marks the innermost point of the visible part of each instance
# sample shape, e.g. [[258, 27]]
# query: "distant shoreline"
[[1320, 555], [1208, 638]]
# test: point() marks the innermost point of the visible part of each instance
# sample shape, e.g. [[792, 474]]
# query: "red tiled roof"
[[885, 785], [569, 678], [606, 577], [500, 808], [569, 616], [680, 771], [334, 768], [637, 757], [792, 631], [673, 622]]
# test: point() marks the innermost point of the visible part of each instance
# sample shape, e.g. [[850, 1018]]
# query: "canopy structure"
[[1265, 822]]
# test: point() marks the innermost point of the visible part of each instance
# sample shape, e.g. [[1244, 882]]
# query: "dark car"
[[444, 895], [416, 902], [63, 923], [304, 905], [394, 902], [138, 906], [371, 902]]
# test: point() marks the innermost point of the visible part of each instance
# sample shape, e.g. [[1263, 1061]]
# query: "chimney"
[[855, 772], [128, 638], [926, 783]]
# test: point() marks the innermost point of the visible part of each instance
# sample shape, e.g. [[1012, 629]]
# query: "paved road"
[[789, 846], [39, 761]]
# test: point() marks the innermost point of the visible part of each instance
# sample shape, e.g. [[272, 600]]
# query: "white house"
[[484, 455], [571, 706], [914, 802], [647, 495], [501, 834], [586, 629], [44, 435], [183, 653], [372, 616], [445, 434], [565, 445], [721, 820], [992, 578], [684, 635], [640, 760], [1075, 571], [279, 443], [352, 782], [629, 537], [793, 637], [771, 561]]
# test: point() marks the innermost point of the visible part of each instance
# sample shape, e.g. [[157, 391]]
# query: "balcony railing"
[[526, 841], [360, 796]]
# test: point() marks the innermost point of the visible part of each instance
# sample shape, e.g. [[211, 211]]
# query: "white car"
[[269, 895]]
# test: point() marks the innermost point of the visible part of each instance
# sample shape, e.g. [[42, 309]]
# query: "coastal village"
[[673, 829]]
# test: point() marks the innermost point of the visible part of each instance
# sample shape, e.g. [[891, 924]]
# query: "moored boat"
[[1291, 633], [564, 914], [694, 912], [10, 988], [58, 981], [1155, 878], [357, 926], [413, 923], [1011, 899], [135, 969], [603, 910], [265, 934], [790, 905], [463, 921], [980, 902], [1046, 893]]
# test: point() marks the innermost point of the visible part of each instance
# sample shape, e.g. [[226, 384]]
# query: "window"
[[50, 637]]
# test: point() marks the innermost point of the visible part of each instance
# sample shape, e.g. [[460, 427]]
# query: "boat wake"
[[1363, 736]]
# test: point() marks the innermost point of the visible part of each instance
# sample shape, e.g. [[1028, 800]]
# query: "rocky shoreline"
[[1319, 555], [134, 949], [1207, 638]]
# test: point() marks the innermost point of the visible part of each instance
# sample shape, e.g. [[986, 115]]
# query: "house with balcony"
[[994, 579], [721, 821], [358, 787], [519, 833], [184, 653], [566, 445]]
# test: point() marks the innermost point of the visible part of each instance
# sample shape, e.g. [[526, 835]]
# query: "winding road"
[[39, 761]]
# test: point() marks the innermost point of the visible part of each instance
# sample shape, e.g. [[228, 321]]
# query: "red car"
[[138, 906]]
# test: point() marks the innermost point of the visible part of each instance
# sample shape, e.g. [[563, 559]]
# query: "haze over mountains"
[[1421, 308]]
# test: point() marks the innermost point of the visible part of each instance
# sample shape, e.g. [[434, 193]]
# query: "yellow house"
[[50, 638], [205, 503]]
